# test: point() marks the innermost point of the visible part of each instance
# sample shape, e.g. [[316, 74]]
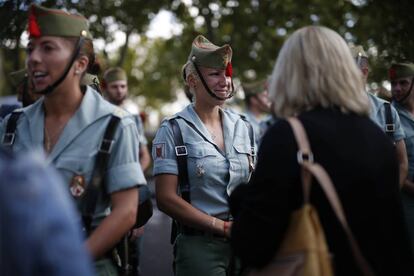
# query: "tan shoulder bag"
[[304, 250]]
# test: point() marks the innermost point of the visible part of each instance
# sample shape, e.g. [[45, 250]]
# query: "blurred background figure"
[[257, 105], [115, 88], [39, 228], [384, 114], [401, 76], [326, 93]]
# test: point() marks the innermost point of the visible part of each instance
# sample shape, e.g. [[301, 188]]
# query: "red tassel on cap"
[[392, 74], [229, 70], [34, 29]]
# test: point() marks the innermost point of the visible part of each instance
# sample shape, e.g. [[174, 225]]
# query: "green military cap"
[[89, 79], [114, 74], [18, 77], [206, 54], [357, 51], [54, 22], [254, 88], [401, 70]]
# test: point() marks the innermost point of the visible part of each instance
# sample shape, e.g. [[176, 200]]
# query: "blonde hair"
[[189, 69], [315, 68]]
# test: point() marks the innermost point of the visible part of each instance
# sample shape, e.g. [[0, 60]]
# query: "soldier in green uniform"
[[68, 124]]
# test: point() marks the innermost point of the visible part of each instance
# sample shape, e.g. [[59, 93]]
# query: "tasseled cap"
[[55, 22], [401, 70], [114, 74], [254, 88], [206, 54]]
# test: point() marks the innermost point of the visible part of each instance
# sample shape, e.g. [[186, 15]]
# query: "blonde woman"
[[315, 78], [217, 156]]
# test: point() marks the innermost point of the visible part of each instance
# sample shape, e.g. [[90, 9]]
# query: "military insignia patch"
[[159, 151], [77, 185]]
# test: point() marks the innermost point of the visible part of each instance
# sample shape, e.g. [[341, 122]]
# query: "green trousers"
[[105, 267], [204, 256]]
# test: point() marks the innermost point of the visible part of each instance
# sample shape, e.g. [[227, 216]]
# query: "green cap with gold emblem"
[[114, 74], [18, 77], [206, 54], [54, 22], [254, 88], [401, 70], [357, 51]]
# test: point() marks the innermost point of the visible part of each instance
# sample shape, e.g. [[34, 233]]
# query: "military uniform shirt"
[[255, 124], [141, 132], [75, 152], [213, 174], [377, 115], [407, 122]]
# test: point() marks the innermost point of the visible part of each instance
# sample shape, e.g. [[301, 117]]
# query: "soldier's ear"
[[191, 81], [81, 64]]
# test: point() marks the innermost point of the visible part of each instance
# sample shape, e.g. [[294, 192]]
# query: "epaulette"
[[120, 112]]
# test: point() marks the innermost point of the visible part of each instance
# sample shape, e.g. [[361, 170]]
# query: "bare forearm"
[[109, 232]]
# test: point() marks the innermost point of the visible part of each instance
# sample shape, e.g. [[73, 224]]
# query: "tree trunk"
[[124, 49]]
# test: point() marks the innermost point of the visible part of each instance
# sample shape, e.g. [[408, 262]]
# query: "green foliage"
[[255, 29]]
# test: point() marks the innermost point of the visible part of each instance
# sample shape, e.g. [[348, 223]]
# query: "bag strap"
[[10, 135], [309, 169], [181, 154], [101, 162], [389, 122]]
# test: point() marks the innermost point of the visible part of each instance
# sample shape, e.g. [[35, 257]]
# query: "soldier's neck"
[[207, 114], [62, 103]]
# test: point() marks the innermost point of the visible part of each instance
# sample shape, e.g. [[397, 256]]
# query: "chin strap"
[[208, 89], [50, 88], [408, 94]]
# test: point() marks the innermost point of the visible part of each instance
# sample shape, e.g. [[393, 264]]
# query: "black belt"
[[189, 231]]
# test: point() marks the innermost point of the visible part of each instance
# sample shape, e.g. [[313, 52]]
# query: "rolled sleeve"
[[125, 176], [124, 170], [163, 151]]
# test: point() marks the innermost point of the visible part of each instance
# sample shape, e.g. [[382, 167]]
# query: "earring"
[[77, 72]]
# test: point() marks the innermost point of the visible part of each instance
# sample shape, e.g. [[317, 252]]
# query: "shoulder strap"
[[181, 154], [101, 162], [389, 123], [10, 135], [309, 169]]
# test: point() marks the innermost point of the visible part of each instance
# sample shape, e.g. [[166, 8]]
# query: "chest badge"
[[200, 171], [77, 185]]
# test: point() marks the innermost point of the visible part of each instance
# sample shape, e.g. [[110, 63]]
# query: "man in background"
[[384, 115], [115, 90]]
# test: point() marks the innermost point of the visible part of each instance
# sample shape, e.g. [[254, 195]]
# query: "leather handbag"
[[304, 250]]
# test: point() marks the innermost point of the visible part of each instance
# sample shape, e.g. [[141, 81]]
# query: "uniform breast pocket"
[[202, 160], [243, 160]]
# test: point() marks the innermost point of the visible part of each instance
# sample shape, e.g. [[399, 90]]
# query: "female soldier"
[[217, 155], [69, 122]]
